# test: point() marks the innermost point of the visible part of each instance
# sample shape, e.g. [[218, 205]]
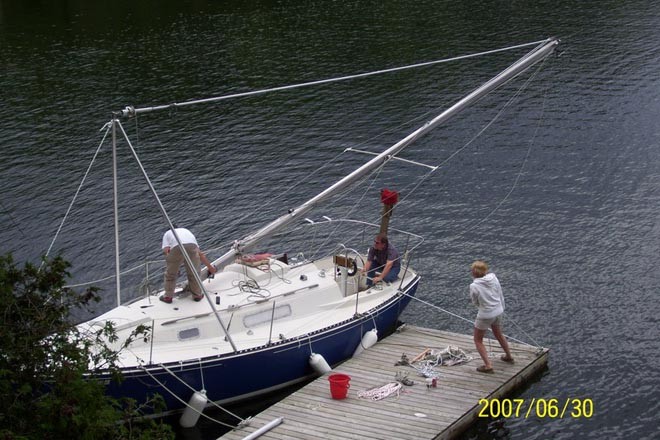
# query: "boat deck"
[[419, 412]]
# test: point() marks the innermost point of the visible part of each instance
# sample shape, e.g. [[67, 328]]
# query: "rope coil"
[[382, 392]]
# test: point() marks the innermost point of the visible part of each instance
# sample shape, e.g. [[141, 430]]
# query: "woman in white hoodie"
[[486, 294]]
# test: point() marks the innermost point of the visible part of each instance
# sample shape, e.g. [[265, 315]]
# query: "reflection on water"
[[559, 194]]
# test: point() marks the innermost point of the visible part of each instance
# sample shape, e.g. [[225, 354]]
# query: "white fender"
[[196, 405], [368, 341], [319, 364]]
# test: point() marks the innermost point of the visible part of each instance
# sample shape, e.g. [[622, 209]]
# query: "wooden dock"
[[418, 412]]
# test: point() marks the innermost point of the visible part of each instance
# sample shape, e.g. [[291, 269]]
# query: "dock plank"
[[417, 412]]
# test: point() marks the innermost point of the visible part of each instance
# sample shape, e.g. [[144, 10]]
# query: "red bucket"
[[339, 385]]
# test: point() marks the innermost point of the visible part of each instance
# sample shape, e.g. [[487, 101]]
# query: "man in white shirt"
[[174, 258]]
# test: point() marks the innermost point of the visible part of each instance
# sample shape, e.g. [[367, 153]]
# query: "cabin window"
[[265, 316], [189, 333]]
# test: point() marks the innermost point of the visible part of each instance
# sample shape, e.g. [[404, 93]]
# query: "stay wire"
[[522, 166], [343, 78], [423, 178], [373, 176], [329, 80], [75, 196], [455, 153], [11, 218], [273, 201], [474, 138], [525, 85]]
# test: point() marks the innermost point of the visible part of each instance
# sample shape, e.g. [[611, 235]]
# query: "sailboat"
[[272, 320]]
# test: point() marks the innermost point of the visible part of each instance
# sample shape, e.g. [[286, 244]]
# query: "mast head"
[[128, 112]]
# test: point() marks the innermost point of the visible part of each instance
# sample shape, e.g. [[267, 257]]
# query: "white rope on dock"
[[381, 392]]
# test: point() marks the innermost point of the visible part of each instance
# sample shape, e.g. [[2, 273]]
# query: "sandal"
[[165, 299], [507, 359], [198, 298], [484, 369]]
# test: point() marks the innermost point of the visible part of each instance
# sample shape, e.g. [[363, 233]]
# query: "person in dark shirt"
[[383, 262]]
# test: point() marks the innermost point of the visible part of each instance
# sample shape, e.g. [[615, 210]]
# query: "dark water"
[[560, 194]]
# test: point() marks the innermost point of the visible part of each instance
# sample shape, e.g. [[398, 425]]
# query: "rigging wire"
[[75, 196], [520, 171], [471, 322], [391, 130], [14, 222], [377, 172], [325, 81], [113, 276], [455, 153], [331, 161], [132, 111], [514, 185], [334, 159], [330, 80], [517, 179], [423, 178], [223, 246], [372, 176], [474, 138], [280, 196], [272, 201]]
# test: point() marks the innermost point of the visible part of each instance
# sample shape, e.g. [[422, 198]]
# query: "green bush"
[[47, 386]]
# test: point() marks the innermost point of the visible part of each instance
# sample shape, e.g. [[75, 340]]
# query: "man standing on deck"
[[174, 258], [486, 294]]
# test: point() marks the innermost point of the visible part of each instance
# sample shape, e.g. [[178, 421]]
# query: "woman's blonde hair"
[[479, 268]]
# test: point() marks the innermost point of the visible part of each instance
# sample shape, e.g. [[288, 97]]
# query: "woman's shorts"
[[485, 324]]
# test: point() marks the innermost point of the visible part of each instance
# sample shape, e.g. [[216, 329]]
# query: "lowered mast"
[[524, 63]]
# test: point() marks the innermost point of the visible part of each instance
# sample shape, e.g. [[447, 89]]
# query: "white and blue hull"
[[254, 368]]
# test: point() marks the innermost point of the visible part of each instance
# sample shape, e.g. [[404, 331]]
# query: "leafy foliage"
[[47, 366]]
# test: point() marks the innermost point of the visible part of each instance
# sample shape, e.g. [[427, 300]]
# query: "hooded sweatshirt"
[[486, 294]]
